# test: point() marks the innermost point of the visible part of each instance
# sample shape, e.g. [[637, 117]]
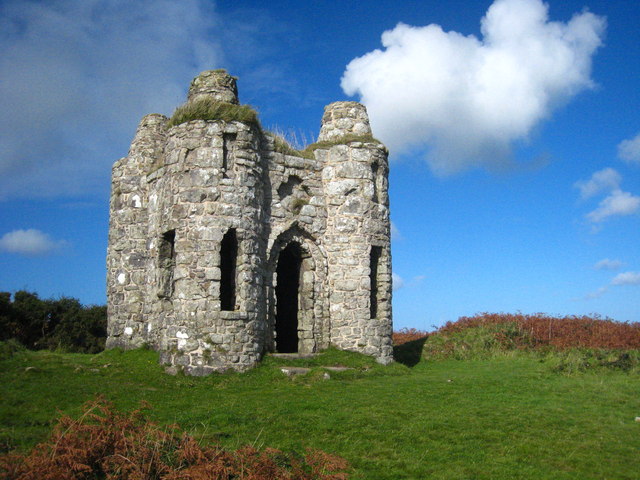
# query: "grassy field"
[[511, 416]]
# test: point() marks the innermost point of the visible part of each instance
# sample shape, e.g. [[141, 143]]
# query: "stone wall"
[[210, 226]]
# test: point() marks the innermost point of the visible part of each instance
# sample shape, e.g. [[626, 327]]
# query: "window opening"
[[376, 253], [228, 142], [167, 262], [228, 266], [374, 171]]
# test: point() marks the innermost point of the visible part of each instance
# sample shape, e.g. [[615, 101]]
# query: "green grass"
[[208, 109], [506, 417], [344, 140], [282, 145]]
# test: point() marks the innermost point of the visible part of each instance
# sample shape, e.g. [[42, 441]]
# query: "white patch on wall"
[[148, 327], [137, 203], [182, 338], [128, 331], [122, 278]]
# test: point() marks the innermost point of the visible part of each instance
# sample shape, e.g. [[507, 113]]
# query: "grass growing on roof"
[[282, 145], [210, 109], [341, 141]]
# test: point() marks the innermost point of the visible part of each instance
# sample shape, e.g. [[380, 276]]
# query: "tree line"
[[62, 324]]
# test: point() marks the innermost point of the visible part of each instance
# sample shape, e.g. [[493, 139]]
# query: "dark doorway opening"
[[287, 287]]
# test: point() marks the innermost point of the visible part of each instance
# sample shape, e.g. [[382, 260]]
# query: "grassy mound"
[[209, 109], [568, 344]]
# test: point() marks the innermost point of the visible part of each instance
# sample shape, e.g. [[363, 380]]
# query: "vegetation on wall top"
[[210, 109]]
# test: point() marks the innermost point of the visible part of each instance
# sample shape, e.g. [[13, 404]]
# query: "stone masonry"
[[222, 249]]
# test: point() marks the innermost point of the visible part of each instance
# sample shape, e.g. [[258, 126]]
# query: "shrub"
[[9, 348], [63, 323], [408, 335], [209, 109], [105, 444]]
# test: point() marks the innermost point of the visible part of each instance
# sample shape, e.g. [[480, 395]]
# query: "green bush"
[[9, 348], [54, 324]]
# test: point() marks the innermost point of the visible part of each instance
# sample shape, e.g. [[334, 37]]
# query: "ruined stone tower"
[[223, 248]]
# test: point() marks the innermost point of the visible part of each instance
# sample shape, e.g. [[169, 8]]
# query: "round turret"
[[217, 84], [344, 118]]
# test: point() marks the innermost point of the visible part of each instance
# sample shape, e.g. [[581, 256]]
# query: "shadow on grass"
[[409, 353]]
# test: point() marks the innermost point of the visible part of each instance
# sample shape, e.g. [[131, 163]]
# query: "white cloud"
[[618, 203], [629, 150], [395, 232], [77, 76], [626, 278], [29, 242], [596, 294], [468, 99], [603, 180], [607, 264], [397, 281]]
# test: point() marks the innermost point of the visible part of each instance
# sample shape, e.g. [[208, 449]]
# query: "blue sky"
[[513, 128]]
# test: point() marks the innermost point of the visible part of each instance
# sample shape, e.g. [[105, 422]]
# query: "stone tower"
[[223, 248]]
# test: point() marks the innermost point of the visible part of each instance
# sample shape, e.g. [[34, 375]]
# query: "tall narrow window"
[[374, 171], [376, 253], [166, 263], [228, 142], [228, 263]]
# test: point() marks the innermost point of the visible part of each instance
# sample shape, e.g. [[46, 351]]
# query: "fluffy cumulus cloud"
[[629, 150], [29, 242], [78, 75], [608, 264], [466, 100], [626, 278]]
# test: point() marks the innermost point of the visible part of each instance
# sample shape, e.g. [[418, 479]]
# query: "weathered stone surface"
[[182, 192]]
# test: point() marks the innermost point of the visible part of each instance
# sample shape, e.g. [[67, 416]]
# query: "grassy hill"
[[499, 411]]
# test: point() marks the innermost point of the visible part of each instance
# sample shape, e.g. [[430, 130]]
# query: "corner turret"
[[343, 119], [216, 84]]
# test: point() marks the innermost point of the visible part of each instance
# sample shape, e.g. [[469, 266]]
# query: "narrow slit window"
[[167, 263], [376, 253], [374, 171], [228, 267], [228, 142]]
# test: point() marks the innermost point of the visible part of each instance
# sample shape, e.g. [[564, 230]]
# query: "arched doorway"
[[287, 288]]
